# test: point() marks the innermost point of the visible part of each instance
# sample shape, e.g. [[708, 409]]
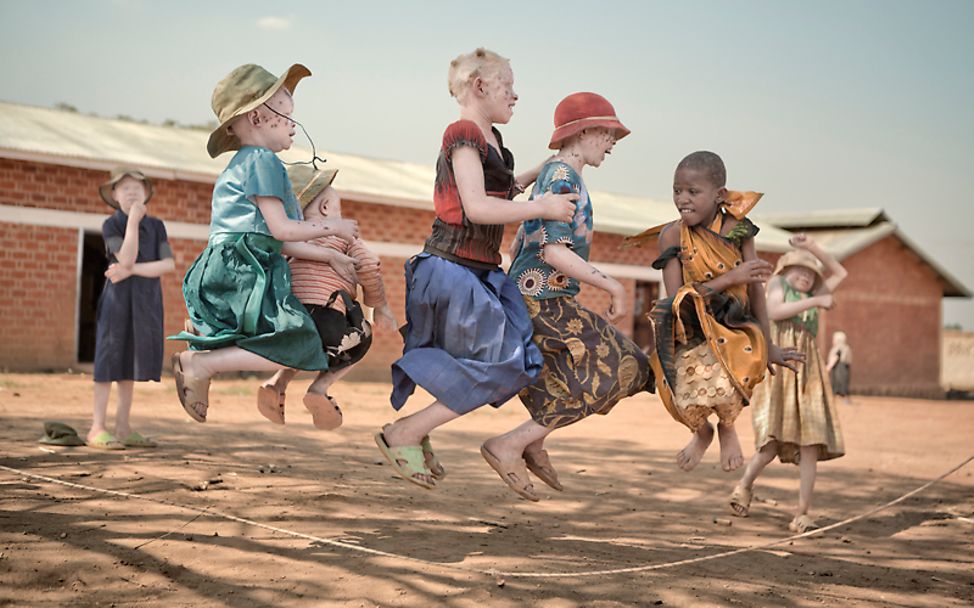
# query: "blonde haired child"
[[328, 290], [128, 340], [794, 416], [839, 366], [712, 335], [238, 291], [467, 333]]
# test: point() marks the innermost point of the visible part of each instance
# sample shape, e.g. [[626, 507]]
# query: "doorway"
[[647, 292], [92, 281]]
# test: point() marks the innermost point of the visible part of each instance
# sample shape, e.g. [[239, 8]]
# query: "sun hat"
[[580, 111], [308, 182], [242, 90], [799, 257], [105, 190]]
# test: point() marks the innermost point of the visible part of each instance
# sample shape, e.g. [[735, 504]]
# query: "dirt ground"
[[625, 504]]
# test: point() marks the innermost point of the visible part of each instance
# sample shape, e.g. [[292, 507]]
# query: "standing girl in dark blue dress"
[[129, 335]]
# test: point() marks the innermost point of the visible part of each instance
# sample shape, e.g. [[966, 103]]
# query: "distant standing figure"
[[128, 342], [839, 366]]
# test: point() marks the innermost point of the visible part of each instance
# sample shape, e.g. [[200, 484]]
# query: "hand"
[[826, 301], [117, 273], [344, 266], [751, 271], [801, 241], [558, 207], [617, 309], [137, 211], [785, 357], [346, 230], [385, 319]]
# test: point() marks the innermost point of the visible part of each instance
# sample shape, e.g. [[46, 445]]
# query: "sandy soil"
[[625, 504]]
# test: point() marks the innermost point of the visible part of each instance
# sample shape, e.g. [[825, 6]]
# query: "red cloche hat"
[[580, 111]]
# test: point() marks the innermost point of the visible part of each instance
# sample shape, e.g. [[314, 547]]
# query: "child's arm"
[[833, 359], [370, 278], [342, 264], [117, 273], [129, 251], [483, 209], [755, 294], [753, 270], [566, 261], [285, 229], [779, 310], [835, 273]]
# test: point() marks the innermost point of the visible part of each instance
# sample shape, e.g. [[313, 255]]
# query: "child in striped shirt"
[[328, 291]]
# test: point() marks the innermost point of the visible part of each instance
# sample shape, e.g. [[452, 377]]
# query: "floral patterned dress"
[[589, 365]]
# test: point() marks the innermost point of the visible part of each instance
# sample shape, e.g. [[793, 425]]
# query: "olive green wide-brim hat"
[[308, 182], [242, 90], [105, 190]]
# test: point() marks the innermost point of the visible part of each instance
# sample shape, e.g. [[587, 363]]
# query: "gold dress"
[[797, 409]]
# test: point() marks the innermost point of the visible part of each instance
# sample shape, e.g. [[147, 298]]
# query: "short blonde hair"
[[467, 67]]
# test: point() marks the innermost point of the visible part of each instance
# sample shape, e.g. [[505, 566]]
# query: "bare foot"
[[731, 456], [691, 455]]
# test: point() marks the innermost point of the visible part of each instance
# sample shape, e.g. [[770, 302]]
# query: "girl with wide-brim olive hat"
[[238, 291], [794, 415]]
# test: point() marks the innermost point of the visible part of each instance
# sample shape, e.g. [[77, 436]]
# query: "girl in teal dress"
[[238, 291]]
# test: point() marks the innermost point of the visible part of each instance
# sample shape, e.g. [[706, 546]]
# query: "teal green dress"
[[238, 291]]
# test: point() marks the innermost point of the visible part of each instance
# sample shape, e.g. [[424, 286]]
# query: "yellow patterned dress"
[[797, 409], [710, 350]]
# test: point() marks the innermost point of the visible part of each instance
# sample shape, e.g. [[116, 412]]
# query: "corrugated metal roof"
[[57, 136], [826, 218]]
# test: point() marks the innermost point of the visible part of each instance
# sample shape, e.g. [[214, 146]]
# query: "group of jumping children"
[[275, 290]]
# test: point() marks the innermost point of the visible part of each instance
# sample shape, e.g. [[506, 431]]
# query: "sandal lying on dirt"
[[511, 473], [539, 464], [105, 441], [740, 501], [407, 460], [136, 440], [325, 412], [802, 524], [435, 467], [193, 392], [270, 404]]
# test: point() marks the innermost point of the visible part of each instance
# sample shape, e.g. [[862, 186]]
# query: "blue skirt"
[[467, 336]]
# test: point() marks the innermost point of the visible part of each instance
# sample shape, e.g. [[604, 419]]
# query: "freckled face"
[[500, 96], [800, 278], [597, 143], [279, 128]]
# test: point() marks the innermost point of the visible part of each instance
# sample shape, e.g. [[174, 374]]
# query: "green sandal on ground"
[[407, 460], [802, 524], [135, 440], [105, 441]]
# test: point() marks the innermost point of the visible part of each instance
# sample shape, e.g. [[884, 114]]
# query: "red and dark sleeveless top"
[[454, 236]]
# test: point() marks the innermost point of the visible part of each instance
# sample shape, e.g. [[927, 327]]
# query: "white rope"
[[496, 573]]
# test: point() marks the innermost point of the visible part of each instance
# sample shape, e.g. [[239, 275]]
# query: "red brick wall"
[[38, 292], [890, 307]]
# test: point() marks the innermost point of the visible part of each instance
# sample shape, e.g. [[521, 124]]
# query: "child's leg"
[[691, 455], [279, 381], [513, 444], [740, 501], [206, 364], [123, 408], [102, 392], [324, 380], [807, 467], [731, 455]]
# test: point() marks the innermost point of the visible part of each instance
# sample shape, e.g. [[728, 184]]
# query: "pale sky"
[[820, 105]]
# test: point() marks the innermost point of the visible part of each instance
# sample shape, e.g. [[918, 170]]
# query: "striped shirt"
[[313, 282]]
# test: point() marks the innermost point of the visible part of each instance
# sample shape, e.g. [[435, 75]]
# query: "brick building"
[[889, 305], [51, 163]]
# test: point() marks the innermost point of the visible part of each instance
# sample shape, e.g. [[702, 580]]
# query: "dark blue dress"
[[129, 334]]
